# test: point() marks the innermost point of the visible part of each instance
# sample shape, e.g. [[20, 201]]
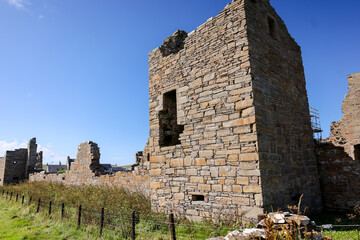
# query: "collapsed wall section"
[[346, 132], [339, 155], [212, 168], [285, 139]]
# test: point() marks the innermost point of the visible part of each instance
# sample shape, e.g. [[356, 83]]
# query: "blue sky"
[[73, 71]]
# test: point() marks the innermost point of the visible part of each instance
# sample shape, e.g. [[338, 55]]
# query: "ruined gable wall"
[[286, 151], [217, 155]]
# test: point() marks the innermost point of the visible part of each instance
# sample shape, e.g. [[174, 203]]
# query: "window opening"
[[14, 162], [15, 178], [198, 197], [148, 157], [357, 152], [271, 24], [169, 129]]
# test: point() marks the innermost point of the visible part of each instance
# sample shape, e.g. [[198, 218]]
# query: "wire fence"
[[126, 226]]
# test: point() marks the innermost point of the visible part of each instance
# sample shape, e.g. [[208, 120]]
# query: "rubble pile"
[[278, 224]]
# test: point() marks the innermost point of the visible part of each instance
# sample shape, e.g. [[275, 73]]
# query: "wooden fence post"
[[11, 195], [50, 207], [17, 197], [22, 200], [172, 226], [62, 210], [133, 222], [102, 221], [30, 198], [79, 217], [38, 206]]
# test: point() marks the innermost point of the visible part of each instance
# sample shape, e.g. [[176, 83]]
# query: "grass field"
[[23, 223], [20, 221]]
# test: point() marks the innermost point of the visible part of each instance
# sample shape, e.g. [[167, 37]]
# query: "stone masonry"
[[16, 165], [339, 155], [230, 128], [346, 132]]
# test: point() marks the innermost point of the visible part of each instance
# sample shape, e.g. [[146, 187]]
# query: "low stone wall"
[[127, 180], [339, 178]]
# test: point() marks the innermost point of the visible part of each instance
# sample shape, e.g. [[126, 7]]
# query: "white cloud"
[[40, 16], [48, 155], [19, 4]]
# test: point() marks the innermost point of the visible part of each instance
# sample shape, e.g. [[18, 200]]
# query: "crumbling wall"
[[339, 177], [88, 159], [348, 128], [32, 156], [339, 157], [285, 139]]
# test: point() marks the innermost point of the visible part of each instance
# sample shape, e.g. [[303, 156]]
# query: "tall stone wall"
[[285, 139], [32, 156], [214, 170], [246, 141]]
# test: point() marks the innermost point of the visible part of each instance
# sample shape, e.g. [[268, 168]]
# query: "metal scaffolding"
[[315, 123]]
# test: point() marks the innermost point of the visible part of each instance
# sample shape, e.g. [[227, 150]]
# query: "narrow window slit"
[[169, 129]]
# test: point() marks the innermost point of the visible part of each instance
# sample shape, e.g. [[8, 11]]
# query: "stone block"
[[196, 179], [204, 187], [200, 162], [179, 162], [252, 189]]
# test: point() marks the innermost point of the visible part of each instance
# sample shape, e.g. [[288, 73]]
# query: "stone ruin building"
[[16, 165], [230, 131]]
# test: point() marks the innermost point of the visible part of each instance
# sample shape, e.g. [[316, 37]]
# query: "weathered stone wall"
[[13, 166], [241, 98], [216, 159], [339, 178], [339, 157], [32, 156], [87, 159], [285, 139], [16, 165], [348, 128], [127, 180]]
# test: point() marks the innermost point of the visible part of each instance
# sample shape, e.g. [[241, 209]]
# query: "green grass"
[[23, 223], [118, 204], [341, 233]]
